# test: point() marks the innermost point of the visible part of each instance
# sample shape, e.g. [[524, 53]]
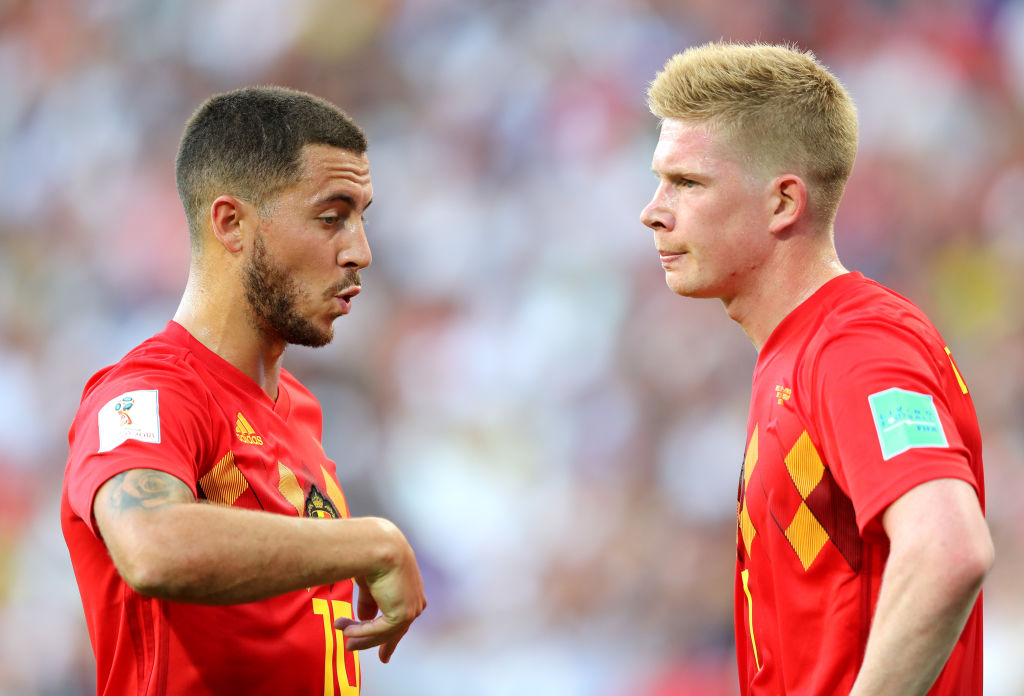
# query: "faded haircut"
[[248, 143], [776, 105]]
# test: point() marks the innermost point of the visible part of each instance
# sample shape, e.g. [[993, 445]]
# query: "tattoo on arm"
[[146, 489]]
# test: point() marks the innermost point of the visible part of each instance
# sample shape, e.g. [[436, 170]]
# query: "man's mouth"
[[668, 257], [344, 298]]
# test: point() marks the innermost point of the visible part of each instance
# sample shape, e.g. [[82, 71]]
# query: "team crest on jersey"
[[319, 505], [783, 394], [134, 415]]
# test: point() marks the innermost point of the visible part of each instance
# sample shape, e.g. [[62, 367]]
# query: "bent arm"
[[940, 552], [166, 545]]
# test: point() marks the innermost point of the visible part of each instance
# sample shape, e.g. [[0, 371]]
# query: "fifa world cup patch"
[[134, 415], [905, 420], [319, 505]]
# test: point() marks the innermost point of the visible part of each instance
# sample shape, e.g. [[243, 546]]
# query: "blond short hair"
[[778, 105]]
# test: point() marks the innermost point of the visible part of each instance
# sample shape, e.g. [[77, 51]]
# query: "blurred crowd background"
[[557, 433]]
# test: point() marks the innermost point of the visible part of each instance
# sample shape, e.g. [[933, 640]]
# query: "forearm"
[[920, 614], [211, 554], [940, 552], [167, 545]]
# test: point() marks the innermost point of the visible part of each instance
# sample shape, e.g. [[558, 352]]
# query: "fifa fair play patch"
[[134, 415], [905, 420]]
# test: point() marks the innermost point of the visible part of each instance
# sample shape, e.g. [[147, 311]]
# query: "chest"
[[790, 505], [270, 458]]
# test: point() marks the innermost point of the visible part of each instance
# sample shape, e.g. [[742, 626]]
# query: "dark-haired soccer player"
[[211, 542], [862, 543]]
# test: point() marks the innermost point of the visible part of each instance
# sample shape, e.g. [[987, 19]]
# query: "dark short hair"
[[249, 142]]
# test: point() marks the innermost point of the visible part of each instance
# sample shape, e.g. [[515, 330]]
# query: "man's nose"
[[656, 215], [356, 252]]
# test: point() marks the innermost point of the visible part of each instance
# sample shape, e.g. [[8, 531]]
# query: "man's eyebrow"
[[677, 173], [334, 198], [339, 197]]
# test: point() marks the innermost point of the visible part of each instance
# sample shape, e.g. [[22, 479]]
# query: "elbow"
[[147, 572], [982, 560], [143, 580], [971, 566], [148, 559]]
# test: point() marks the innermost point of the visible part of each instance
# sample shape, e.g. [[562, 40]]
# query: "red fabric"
[[809, 539], [150, 646]]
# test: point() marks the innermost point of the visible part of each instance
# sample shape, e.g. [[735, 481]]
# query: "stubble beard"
[[273, 300]]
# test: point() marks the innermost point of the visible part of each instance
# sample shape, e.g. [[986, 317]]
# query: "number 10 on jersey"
[[334, 647]]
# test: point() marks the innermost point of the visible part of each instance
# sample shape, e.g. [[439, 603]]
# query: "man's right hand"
[[396, 591]]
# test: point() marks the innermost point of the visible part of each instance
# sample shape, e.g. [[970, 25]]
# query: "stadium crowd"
[[557, 433]]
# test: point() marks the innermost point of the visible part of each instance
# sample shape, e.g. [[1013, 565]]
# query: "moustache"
[[351, 279]]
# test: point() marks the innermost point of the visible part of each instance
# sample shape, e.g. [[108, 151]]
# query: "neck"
[[217, 315], [787, 283]]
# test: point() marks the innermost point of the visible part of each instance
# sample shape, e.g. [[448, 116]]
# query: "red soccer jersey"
[[173, 405], [855, 401]]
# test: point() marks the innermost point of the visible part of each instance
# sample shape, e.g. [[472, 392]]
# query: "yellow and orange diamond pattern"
[[225, 483], [805, 533]]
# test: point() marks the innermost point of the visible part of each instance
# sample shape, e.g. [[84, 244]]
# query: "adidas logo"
[[245, 432]]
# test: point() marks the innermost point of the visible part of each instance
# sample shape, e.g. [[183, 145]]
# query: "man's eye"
[[330, 220]]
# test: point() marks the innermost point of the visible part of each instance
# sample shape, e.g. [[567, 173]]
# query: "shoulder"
[[847, 307], [872, 340], [865, 301], [851, 324], [159, 364], [872, 322], [877, 364]]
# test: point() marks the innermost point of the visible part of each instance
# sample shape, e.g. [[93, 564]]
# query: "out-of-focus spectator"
[[506, 398]]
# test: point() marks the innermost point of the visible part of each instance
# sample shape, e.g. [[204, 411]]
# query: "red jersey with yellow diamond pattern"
[[855, 400], [173, 405]]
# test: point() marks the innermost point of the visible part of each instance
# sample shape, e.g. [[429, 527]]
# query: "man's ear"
[[788, 201], [226, 216]]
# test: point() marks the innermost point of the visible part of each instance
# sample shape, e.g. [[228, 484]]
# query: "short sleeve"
[[885, 413], [147, 415]]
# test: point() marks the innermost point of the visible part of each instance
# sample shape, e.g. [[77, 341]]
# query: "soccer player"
[[861, 541], [210, 539]]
